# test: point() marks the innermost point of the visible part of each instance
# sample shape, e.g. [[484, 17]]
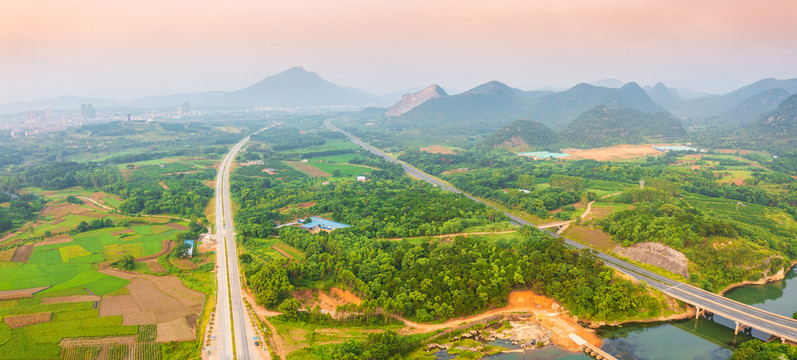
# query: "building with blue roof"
[[318, 224]]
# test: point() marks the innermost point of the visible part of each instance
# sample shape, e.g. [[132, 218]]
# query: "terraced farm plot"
[[18, 321], [46, 257], [307, 169], [96, 282], [73, 251], [143, 229]]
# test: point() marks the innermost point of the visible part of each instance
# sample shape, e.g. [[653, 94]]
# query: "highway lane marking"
[[724, 308], [792, 323]]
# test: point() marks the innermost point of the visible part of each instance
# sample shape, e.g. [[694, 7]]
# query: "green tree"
[[290, 308], [126, 262]]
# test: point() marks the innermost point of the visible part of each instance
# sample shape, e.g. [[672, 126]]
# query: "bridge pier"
[[741, 327]]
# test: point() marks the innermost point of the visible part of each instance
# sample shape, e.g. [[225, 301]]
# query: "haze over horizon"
[[121, 50]]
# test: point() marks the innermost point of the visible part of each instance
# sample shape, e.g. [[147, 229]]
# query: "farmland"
[[67, 286]]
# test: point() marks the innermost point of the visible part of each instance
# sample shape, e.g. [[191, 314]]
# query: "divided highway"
[[231, 313], [773, 324]]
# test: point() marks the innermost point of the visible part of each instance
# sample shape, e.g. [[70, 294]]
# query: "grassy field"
[[299, 336], [338, 159], [272, 248], [345, 169], [591, 237]]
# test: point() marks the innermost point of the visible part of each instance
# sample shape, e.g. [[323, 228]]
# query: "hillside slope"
[[521, 133], [413, 100], [602, 126]]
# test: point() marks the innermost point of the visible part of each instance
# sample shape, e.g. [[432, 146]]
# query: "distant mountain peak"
[[296, 87], [411, 101], [489, 87]]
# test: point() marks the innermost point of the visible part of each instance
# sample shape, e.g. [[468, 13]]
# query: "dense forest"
[[440, 280], [20, 209], [685, 208], [422, 280]]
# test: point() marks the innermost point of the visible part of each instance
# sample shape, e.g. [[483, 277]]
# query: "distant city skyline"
[[122, 50]]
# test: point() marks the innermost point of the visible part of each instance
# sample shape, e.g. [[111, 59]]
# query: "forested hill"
[[780, 123], [599, 126], [522, 132], [602, 126], [775, 131], [750, 109], [481, 109]]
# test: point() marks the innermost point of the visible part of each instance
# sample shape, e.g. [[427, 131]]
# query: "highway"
[[230, 309], [773, 324]]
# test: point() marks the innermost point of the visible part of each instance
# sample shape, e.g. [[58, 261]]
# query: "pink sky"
[[122, 49]]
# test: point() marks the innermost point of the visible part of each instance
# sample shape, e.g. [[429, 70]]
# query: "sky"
[[121, 49]]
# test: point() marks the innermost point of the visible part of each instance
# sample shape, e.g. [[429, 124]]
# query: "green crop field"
[[345, 169], [73, 251], [143, 230], [46, 257], [338, 159]]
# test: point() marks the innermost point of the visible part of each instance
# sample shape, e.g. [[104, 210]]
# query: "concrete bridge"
[[744, 316]]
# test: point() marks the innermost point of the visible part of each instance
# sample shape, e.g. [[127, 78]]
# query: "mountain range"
[[295, 87], [480, 110], [493, 104], [710, 109]]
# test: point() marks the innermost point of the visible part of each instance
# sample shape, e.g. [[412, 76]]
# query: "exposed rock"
[[410, 101], [657, 254]]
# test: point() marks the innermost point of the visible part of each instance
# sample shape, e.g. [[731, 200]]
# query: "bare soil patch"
[[18, 321], [120, 340], [57, 239], [437, 149], [307, 169], [327, 300], [547, 312], [617, 152], [22, 254], [177, 226], [175, 330], [154, 266], [21, 293], [58, 211], [152, 299], [69, 299], [118, 273], [346, 295], [207, 243], [528, 299]]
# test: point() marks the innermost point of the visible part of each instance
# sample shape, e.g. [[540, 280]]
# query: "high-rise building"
[[184, 108], [88, 111]]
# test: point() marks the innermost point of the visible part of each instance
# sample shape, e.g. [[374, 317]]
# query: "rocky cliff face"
[[410, 101], [657, 254]]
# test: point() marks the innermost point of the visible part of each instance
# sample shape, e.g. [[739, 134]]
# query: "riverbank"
[[767, 279]]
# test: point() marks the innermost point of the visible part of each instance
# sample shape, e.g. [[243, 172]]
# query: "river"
[[701, 339]]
